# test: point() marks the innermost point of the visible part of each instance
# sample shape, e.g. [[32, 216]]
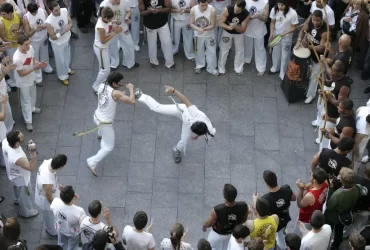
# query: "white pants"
[[166, 45], [68, 242], [125, 41], [28, 102], [256, 44], [218, 32], [281, 56], [49, 221], [320, 112], [104, 65], [172, 110], [178, 27], [41, 54], [23, 195], [135, 25], [9, 121], [362, 146], [106, 131], [206, 51], [218, 241], [225, 46], [312, 86], [10, 52], [62, 54], [280, 239]]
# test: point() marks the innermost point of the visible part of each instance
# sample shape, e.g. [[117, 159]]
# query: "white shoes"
[[309, 99], [365, 159], [315, 123], [317, 141], [137, 48]]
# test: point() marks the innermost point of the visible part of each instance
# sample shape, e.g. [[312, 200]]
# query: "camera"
[[109, 231], [31, 146]]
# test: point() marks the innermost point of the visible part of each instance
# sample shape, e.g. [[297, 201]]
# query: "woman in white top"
[[175, 241], [284, 20], [104, 32]]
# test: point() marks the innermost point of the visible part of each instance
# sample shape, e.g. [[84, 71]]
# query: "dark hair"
[[13, 137], [100, 240], [368, 119], [202, 1], [203, 244], [270, 178], [241, 231], [22, 39], [262, 207], [230, 192], [340, 67], [58, 161], [347, 104], [256, 244], [95, 208], [140, 220], [317, 219], [32, 7], [346, 143], [320, 175], [241, 4], [7, 8], [357, 242], [114, 77], [317, 13], [67, 194], [200, 128], [52, 5], [287, 6], [12, 229], [293, 241], [106, 12], [176, 232], [49, 247]]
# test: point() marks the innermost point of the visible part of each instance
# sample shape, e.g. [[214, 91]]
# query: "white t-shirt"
[[361, 125], [67, 217], [3, 86], [137, 241], [180, 4], [45, 176], [256, 28], [119, 13], [58, 23], [317, 241], [234, 245], [38, 19], [329, 11], [284, 23], [88, 229], [192, 114], [23, 5], [100, 24], [167, 245], [24, 62]]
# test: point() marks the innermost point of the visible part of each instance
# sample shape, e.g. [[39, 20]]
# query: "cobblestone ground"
[[256, 130]]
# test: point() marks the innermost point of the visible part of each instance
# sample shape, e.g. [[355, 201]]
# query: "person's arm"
[[343, 94], [167, 7], [272, 28], [3, 101], [210, 221], [27, 164], [213, 21], [119, 246], [183, 99], [192, 21], [52, 34], [321, 46], [301, 34], [27, 28], [276, 217], [106, 38], [143, 10], [315, 161], [241, 29], [106, 215], [264, 16], [294, 197], [222, 20], [304, 200], [24, 72], [20, 29], [48, 188], [292, 28], [46, 6], [346, 132]]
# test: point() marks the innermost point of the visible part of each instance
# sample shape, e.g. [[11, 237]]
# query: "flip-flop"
[[92, 171]]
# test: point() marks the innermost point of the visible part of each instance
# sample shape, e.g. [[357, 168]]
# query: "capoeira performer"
[[284, 20], [24, 59], [219, 6], [6, 66], [23, 5], [122, 16], [35, 28], [255, 33], [203, 21], [59, 25], [104, 34], [155, 13], [135, 23], [108, 95], [180, 25], [194, 122], [234, 21]]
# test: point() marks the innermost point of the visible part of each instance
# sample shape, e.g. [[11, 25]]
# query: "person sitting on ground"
[[237, 239], [177, 240], [292, 241]]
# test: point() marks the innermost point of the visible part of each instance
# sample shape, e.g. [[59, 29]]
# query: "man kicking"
[[194, 122], [108, 95]]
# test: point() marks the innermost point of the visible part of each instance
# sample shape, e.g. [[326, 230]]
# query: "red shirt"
[[320, 197]]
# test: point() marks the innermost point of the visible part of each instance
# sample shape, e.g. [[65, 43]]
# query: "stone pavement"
[[256, 130]]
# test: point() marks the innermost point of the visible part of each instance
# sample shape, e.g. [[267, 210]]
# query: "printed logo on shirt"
[[27, 61], [280, 20], [322, 196], [88, 232], [182, 4], [103, 100], [212, 42], [225, 39], [62, 216], [136, 18], [231, 217], [14, 29], [153, 3], [332, 163], [313, 32], [117, 15], [280, 203], [253, 10], [61, 26], [202, 22], [235, 21], [39, 22], [265, 231]]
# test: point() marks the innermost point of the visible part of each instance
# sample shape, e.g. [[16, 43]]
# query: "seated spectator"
[[136, 238], [357, 242], [177, 239], [319, 237], [11, 233], [256, 244], [203, 244], [101, 240], [237, 239], [292, 241]]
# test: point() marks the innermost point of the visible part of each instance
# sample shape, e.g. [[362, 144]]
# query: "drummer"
[[315, 31]]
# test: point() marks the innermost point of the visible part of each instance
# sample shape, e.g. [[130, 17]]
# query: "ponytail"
[[175, 241]]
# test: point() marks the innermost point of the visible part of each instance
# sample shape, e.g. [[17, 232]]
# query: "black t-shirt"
[[229, 217], [332, 162], [364, 183], [155, 21], [345, 121], [333, 110], [314, 34], [279, 204], [345, 57], [235, 18], [303, 10]]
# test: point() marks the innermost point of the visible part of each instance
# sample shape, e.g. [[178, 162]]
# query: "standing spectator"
[[19, 168], [364, 63], [135, 23], [101, 240], [11, 233], [14, 4], [3, 102], [293, 241], [68, 218], [256, 244], [362, 133], [319, 237], [6, 66], [357, 242], [203, 244], [137, 238], [224, 217], [279, 199], [177, 240], [48, 188], [237, 239], [23, 5], [320, 5], [365, 182], [341, 202]]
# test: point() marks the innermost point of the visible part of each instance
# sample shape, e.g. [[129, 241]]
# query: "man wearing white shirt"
[[23, 5], [18, 169], [48, 188], [68, 218], [320, 5], [318, 238], [25, 78], [362, 132]]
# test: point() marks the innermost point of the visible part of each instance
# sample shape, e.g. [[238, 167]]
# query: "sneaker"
[[16, 202], [214, 72], [309, 99], [317, 141], [29, 127], [197, 71], [39, 84], [315, 123], [365, 159], [65, 82], [92, 169], [135, 65], [99, 137], [33, 213], [154, 65], [137, 93], [172, 67], [137, 48], [51, 235], [50, 73], [273, 73], [36, 111], [176, 154], [72, 72]]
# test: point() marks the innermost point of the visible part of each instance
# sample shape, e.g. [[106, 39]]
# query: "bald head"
[[345, 40]]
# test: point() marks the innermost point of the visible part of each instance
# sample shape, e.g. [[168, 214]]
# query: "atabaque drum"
[[297, 75]]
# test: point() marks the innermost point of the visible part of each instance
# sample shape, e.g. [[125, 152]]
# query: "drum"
[[297, 75]]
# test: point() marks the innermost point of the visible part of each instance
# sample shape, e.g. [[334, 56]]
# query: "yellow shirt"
[[266, 229], [10, 26]]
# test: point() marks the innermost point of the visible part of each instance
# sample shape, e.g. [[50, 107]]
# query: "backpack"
[[362, 201]]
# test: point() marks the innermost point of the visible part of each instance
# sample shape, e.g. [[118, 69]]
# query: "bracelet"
[[58, 35], [173, 90]]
